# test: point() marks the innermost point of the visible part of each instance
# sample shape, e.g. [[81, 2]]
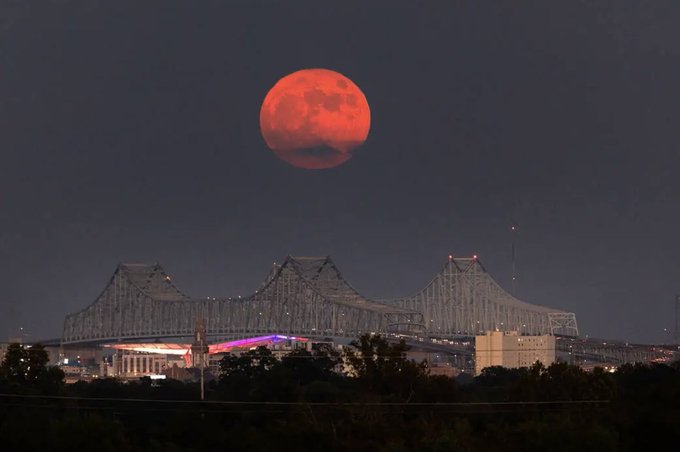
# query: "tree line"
[[369, 397]]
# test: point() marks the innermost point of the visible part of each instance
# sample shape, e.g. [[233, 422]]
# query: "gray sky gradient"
[[129, 132]]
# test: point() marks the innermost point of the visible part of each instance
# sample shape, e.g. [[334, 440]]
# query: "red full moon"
[[314, 118]]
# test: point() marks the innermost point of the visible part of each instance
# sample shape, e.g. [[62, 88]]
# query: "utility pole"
[[513, 231], [202, 372], [199, 350]]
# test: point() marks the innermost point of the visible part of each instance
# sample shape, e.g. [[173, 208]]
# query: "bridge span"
[[307, 296]]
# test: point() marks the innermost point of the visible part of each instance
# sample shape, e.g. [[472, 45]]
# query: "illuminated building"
[[135, 360], [509, 349], [3, 350], [130, 364]]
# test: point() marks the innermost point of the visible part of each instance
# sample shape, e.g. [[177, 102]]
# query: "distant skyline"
[[130, 133]]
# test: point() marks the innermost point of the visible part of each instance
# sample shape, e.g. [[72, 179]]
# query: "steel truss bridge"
[[308, 296], [463, 299]]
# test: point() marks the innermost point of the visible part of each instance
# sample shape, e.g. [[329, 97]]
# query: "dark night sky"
[[129, 132]]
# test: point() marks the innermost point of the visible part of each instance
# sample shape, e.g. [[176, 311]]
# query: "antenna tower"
[[513, 231], [676, 334]]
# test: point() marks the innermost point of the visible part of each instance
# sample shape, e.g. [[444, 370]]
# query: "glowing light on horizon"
[[223, 347]]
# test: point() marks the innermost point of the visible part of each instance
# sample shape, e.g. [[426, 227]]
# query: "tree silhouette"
[[383, 368], [28, 366]]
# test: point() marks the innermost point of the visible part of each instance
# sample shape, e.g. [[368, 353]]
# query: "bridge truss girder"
[[463, 299], [314, 302], [309, 296]]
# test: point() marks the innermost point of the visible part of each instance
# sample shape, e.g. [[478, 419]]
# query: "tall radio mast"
[[513, 231]]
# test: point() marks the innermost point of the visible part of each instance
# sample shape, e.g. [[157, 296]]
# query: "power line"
[[282, 403]]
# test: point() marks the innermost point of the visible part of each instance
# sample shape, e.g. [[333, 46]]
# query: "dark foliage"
[[25, 370], [302, 402]]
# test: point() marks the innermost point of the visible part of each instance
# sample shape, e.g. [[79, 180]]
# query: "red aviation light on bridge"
[[474, 256], [450, 257]]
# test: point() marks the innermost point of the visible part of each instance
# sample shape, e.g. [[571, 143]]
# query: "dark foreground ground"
[[301, 403]]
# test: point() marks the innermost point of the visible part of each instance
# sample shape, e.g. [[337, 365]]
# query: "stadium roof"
[[165, 348]]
